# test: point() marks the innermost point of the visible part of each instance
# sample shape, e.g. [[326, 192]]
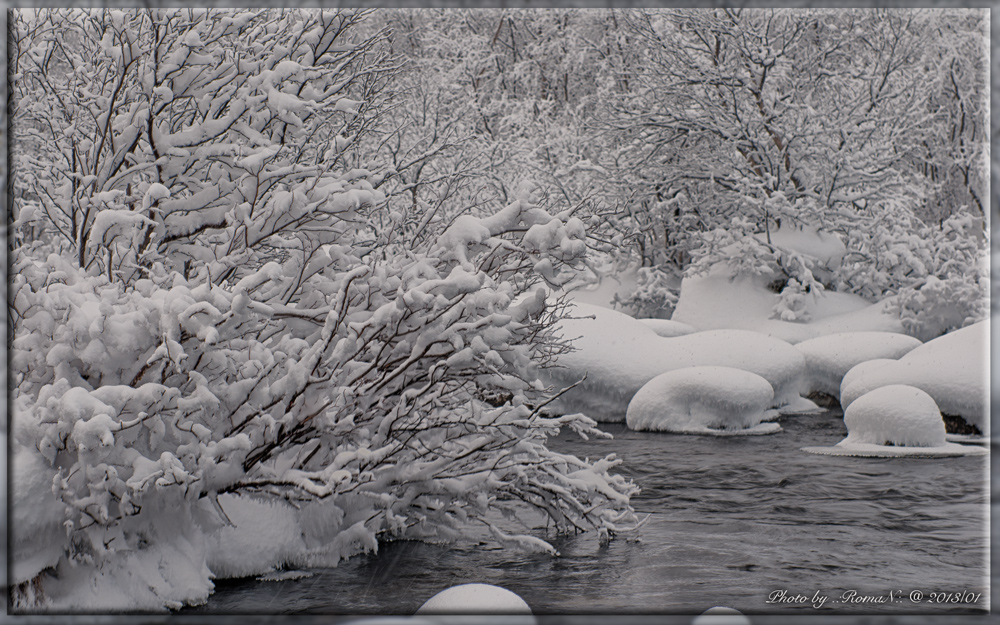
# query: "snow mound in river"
[[703, 400], [895, 420], [619, 354], [475, 599], [952, 369]]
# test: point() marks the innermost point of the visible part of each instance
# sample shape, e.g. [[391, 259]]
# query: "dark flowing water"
[[731, 521]]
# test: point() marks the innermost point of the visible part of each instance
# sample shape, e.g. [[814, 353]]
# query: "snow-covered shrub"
[[940, 306], [216, 309], [791, 305], [655, 294], [937, 271], [952, 293], [747, 252]]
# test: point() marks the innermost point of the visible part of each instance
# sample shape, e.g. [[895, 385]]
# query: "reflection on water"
[[731, 521]]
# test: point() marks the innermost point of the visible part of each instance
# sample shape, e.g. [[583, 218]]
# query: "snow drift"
[[668, 328], [720, 300]]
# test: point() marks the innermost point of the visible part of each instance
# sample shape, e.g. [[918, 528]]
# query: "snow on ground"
[[167, 571], [717, 301], [668, 328], [952, 369], [830, 357], [619, 354], [895, 420], [475, 599], [609, 286], [37, 536], [824, 247], [703, 400]]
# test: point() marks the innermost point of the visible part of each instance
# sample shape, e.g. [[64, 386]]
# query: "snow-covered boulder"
[[619, 354], [668, 328], [830, 357], [895, 420], [475, 599], [721, 615], [703, 400], [719, 300], [952, 369]]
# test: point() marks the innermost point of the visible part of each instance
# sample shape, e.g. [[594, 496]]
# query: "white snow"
[[861, 371], [619, 354], [475, 599], [36, 531], [703, 400], [668, 328], [825, 247], [605, 289], [717, 300], [830, 357], [168, 571], [264, 535], [952, 369], [720, 615], [895, 420]]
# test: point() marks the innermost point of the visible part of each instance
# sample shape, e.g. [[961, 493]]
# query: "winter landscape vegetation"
[[502, 295]]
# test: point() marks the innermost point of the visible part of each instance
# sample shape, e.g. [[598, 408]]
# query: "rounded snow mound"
[[668, 328], [703, 400], [721, 615], [830, 357], [475, 599], [895, 420], [952, 369], [861, 371]]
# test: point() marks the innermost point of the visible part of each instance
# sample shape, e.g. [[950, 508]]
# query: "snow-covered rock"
[[668, 328], [895, 420], [860, 371], [952, 369], [619, 354], [475, 599], [703, 400], [718, 300], [830, 357], [720, 615]]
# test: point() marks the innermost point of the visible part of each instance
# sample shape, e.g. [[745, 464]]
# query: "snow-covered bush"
[[747, 252], [212, 306], [654, 297], [952, 292]]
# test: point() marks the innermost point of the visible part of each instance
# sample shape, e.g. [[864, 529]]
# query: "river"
[[731, 521]]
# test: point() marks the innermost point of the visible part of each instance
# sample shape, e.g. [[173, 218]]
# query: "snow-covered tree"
[[860, 123], [207, 299]]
